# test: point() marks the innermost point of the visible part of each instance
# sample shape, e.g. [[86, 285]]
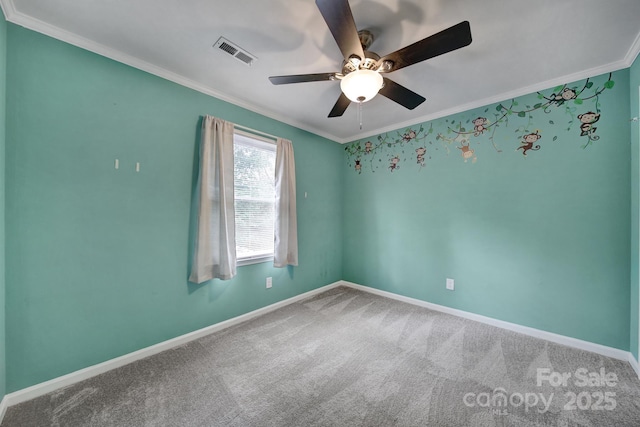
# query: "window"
[[254, 187]]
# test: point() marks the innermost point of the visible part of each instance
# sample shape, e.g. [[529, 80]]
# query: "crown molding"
[[18, 18], [584, 74], [8, 8], [632, 54]]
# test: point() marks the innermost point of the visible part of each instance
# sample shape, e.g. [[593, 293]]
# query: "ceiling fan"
[[361, 76]]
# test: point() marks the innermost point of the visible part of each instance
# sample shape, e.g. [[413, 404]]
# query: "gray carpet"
[[349, 358]]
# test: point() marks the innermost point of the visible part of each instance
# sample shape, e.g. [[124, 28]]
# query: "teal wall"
[[97, 258], [540, 240], [634, 87], [3, 80]]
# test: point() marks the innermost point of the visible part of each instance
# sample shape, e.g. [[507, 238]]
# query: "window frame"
[[261, 143]]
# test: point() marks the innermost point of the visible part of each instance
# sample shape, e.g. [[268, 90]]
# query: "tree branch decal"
[[415, 146]]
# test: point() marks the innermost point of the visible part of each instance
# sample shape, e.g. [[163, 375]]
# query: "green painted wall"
[[97, 258], [634, 87], [540, 240], [3, 80]]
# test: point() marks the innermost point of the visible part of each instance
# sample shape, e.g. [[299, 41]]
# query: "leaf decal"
[[458, 126]]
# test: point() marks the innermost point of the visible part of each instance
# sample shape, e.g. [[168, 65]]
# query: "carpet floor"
[[350, 358]]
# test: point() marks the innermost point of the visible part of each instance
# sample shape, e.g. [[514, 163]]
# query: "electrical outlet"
[[269, 282], [450, 284]]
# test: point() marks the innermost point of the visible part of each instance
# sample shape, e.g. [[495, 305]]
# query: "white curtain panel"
[[286, 226], [215, 243]]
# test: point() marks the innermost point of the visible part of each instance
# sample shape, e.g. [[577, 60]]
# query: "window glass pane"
[[254, 169]]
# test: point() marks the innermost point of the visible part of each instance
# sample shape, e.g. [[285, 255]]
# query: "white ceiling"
[[519, 46]]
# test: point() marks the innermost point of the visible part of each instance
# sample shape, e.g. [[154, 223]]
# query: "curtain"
[[286, 224], [215, 243]]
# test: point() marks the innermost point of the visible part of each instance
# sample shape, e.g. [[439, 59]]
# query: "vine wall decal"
[[416, 145]]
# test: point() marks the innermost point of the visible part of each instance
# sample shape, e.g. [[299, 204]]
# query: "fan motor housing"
[[361, 67], [371, 60], [354, 63]]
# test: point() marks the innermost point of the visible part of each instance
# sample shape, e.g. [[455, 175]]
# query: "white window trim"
[[269, 144], [253, 260], [266, 144]]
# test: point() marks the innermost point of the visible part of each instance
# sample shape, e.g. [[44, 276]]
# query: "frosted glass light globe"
[[361, 85]]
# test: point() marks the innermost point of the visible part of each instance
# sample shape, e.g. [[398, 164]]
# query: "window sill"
[[254, 260]]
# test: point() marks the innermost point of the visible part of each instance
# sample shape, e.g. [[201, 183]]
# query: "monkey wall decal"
[[367, 147], [479, 126], [467, 152], [409, 135], [560, 98], [528, 142], [420, 152], [523, 115], [394, 163], [586, 124]]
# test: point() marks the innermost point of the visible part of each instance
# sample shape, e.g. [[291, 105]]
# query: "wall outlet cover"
[[450, 284]]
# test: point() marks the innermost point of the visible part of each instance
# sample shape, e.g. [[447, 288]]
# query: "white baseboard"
[[634, 364], [549, 336], [3, 408], [91, 371]]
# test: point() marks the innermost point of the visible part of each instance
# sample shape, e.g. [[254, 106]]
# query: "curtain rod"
[[248, 129]]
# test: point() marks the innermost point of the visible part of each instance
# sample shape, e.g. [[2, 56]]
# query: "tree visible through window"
[[254, 185]]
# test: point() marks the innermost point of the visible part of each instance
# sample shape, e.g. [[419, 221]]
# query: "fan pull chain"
[[360, 113]]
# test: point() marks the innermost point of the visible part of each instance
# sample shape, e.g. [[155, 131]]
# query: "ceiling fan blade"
[[337, 14], [302, 78], [445, 41], [400, 94], [340, 107]]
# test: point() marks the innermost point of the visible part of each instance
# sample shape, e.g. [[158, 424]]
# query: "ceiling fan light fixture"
[[361, 85]]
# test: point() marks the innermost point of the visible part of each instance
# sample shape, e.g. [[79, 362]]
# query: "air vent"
[[235, 51]]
